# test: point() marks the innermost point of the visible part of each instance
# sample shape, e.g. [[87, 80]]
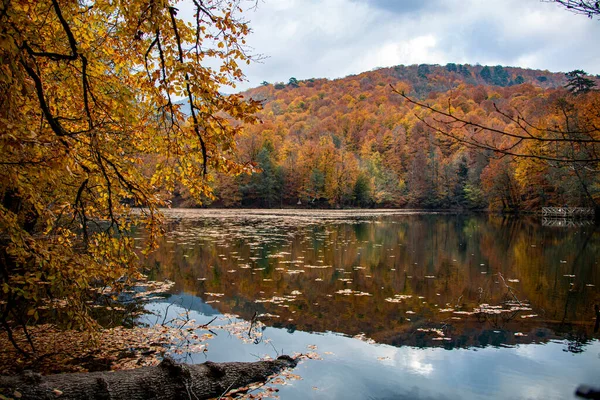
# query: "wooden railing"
[[567, 212]]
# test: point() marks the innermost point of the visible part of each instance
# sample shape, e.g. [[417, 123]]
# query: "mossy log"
[[169, 380]]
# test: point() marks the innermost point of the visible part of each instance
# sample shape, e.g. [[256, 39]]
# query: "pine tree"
[[578, 83]]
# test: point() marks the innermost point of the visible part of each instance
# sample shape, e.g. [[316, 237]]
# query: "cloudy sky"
[[335, 38]]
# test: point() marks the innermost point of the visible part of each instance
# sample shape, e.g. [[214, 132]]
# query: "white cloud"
[[334, 38]]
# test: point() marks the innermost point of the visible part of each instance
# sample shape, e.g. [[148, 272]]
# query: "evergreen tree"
[[265, 187], [362, 191], [578, 82], [501, 77], [293, 82], [423, 71], [462, 176], [464, 71], [451, 67], [519, 80], [486, 74]]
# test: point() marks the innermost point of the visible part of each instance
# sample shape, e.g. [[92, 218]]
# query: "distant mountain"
[[426, 78], [355, 142]]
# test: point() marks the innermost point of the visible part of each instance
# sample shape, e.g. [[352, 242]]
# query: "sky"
[[335, 38]]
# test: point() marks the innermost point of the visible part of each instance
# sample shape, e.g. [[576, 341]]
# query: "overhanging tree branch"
[[447, 123], [589, 8]]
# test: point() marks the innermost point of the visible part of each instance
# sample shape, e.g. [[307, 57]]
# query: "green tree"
[[501, 77], [464, 71], [462, 175], [486, 74], [316, 185], [451, 67], [265, 187], [578, 83], [362, 191], [423, 71], [519, 80], [293, 82]]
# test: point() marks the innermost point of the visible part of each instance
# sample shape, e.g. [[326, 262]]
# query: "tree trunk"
[[169, 380]]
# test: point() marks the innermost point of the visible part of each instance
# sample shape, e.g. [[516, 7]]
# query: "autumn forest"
[[172, 227], [355, 142]]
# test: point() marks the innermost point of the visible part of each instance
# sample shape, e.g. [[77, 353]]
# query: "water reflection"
[[423, 280]]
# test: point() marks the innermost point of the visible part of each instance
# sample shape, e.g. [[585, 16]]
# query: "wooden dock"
[[568, 212]]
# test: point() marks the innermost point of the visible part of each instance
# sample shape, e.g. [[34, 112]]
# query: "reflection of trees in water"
[[449, 261]]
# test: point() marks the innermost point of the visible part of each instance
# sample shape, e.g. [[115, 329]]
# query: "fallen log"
[[169, 380]]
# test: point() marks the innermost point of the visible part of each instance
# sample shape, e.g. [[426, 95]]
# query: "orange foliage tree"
[[90, 128]]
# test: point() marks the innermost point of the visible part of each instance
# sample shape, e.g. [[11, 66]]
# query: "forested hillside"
[[355, 142]]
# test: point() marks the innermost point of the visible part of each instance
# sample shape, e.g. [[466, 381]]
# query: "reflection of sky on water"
[[359, 370], [224, 263]]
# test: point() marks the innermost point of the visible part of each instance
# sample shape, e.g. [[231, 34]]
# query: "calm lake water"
[[390, 304]]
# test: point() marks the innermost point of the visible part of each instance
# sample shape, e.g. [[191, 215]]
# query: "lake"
[[387, 304]]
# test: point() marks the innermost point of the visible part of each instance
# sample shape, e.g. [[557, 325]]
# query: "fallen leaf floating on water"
[[348, 292], [398, 298], [294, 272], [438, 332], [152, 288], [267, 315], [363, 338]]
